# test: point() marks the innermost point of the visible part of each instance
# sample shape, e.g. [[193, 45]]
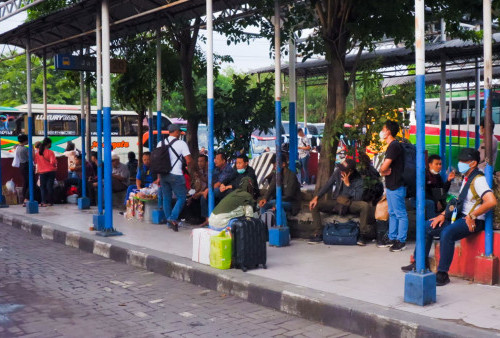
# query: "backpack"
[[160, 159], [410, 168]]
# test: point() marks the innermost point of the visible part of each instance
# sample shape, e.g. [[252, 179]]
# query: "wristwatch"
[[472, 217]]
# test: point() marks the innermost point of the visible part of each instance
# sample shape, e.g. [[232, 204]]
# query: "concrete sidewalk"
[[359, 289]]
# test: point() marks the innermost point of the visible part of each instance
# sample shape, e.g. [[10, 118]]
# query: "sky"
[[246, 57]]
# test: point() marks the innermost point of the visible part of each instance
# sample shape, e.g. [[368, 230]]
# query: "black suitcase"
[[249, 243]]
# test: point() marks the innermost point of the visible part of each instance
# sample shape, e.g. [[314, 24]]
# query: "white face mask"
[[382, 135], [434, 171]]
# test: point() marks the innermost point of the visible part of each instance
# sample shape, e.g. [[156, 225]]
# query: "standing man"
[[482, 147], [175, 181], [392, 168], [304, 151]]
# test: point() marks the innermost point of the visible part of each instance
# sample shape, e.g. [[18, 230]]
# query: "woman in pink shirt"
[[46, 163]]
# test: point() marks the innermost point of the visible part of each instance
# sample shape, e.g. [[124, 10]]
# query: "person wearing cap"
[[467, 217], [348, 194], [119, 174], [174, 182]]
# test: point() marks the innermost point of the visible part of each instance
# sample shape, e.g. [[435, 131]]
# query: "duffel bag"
[[341, 233]]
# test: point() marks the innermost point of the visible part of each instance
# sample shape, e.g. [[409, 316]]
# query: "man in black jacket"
[[241, 170], [348, 194]]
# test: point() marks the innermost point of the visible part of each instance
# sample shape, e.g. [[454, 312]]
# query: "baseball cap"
[[173, 128], [468, 154]]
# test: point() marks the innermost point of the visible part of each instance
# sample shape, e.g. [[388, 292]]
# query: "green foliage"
[[61, 89]]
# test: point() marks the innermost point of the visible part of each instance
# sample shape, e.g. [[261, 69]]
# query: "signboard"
[[86, 63]]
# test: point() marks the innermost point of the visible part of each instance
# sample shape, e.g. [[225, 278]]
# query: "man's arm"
[[489, 202], [385, 168]]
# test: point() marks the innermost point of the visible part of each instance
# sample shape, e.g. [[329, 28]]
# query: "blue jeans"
[[176, 184], [430, 207], [305, 165], [204, 202], [287, 206], [398, 217], [449, 233]]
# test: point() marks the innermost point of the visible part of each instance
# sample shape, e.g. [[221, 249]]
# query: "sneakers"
[[385, 242], [442, 278], [361, 241], [397, 246], [409, 268], [316, 239], [174, 225]]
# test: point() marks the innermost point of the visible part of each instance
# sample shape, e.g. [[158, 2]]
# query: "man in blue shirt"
[[222, 172], [143, 179]]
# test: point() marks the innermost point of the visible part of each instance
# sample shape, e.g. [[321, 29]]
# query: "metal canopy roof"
[[69, 28], [451, 50]]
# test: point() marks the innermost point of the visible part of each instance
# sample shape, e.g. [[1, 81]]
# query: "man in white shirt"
[[304, 148], [466, 218], [482, 147], [174, 181]]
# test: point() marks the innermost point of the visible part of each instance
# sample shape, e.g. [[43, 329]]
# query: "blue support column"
[[293, 137], [32, 205], [211, 153], [98, 219], [450, 130], [442, 117], [151, 134], [420, 285], [488, 173], [84, 201], [158, 216], [2, 197]]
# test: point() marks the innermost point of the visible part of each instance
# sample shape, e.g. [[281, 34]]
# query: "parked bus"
[[459, 116], [64, 122]]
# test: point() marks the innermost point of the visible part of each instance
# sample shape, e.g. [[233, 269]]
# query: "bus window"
[[115, 125], [164, 123], [130, 125], [58, 124], [11, 123], [432, 112]]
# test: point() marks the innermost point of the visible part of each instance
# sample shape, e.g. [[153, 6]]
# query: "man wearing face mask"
[[392, 168], [474, 201], [482, 147], [241, 170]]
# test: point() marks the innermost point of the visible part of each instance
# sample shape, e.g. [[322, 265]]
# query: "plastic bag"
[[221, 251], [220, 221], [11, 186]]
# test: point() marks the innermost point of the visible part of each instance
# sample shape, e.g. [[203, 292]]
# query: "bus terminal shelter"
[[94, 23]]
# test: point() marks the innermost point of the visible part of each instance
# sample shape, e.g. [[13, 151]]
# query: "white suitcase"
[[201, 245]]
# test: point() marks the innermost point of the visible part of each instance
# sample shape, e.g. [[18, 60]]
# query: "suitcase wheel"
[[264, 266], [244, 269]]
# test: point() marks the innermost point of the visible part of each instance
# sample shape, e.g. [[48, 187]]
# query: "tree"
[[342, 26]]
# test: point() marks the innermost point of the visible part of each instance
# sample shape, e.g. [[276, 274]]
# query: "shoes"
[[397, 246], [316, 239], [385, 242], [361, 241], [174, 225], [442, 278], [409, 268]]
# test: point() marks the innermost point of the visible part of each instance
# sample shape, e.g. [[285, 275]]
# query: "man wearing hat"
[[174, 182], [462, 219], [119, 173], [347, 197]]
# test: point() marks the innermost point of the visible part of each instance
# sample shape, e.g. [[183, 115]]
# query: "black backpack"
[[410, 168], [160, 159]]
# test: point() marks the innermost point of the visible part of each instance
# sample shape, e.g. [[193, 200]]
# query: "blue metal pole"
[[108, 189], [83, 202], [450, 126], [442, 113], [420, 285], [210, 104], [32, 205], [99, 164], [45, 124], [467, 116], [150, 133], [292, 108], [277, 116]]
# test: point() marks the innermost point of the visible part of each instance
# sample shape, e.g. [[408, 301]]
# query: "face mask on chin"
[[241, 171], [382, 135], [434, 171]]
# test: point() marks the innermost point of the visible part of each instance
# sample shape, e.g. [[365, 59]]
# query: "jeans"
[[449, 233], [287, 206], [398, 217], [430, 207], [176, 184], [204, 202], [47, 186], [305, 165]]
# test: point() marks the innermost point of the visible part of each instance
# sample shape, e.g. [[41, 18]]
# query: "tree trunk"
[[336, 88], [140, 132]]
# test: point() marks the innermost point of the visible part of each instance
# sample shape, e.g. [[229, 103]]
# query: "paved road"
[[50, 290]]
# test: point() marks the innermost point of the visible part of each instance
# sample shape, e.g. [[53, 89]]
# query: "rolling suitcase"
[[249, 243]]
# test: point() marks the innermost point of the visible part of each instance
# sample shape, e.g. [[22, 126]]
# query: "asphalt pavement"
[[51, 290]]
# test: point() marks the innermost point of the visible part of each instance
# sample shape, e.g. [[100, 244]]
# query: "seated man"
[[143, 179], [242, 170], [435, 189], [223, 171], [291, 195], [474, 201], [76, 178], [348, 193], [120, 174]]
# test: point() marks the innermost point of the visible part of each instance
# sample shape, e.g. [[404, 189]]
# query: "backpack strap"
[[475, 197], [177, 155]]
